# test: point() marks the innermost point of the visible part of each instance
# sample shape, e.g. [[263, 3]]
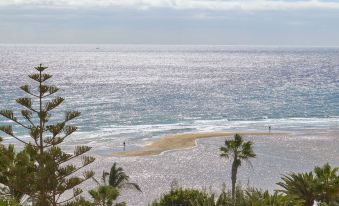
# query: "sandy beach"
[[201, 167], [183, 141]]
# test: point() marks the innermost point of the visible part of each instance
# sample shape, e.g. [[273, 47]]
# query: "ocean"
[[137, 93]]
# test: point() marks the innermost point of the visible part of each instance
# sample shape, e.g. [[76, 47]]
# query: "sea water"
[[137, 93]]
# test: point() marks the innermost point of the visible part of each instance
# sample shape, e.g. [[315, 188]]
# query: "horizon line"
[[175, 44]]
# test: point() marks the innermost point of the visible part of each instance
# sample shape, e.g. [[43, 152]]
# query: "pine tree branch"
[[53, 103], [68, 184], [35, 133], [26, 127], [68, 130], [38, 76], [56, 129], [79, 150], [51, 90], [28, 115], [9, 115], [87, 176], [60, 127], [71, 115], [40, 68], [69, 199], [26, 89], [72, 157], [8, 130], [26, 102], [75, 170], [35, 77], [66, 171], [52, 142], [45, 77], [19, 140]]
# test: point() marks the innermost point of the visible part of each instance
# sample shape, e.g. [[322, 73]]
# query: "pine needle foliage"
[[52, 175], [16, 172]]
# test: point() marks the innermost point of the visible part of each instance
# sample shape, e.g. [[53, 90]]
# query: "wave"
[[149, 131], [114, 135]]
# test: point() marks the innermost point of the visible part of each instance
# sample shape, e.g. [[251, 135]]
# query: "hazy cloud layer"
[[243, 22], [241, 5]]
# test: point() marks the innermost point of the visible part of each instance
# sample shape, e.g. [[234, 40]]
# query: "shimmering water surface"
[[137, 93], [140, 92]]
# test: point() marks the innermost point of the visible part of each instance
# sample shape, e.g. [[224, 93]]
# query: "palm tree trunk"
[[234, 180]]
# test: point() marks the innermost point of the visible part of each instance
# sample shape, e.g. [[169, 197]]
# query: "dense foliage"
[[247, 197], [8, 202], [182, 197], [322, 185]]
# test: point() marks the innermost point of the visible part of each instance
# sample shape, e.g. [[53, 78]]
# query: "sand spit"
[[182, 141]]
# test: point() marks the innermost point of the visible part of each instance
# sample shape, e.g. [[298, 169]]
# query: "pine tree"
[[53, 174]]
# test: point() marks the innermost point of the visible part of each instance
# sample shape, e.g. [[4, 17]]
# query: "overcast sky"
[[232, 22]]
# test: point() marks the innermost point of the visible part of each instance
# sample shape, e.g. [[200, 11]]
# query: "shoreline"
[[202, 167], [181, 142]]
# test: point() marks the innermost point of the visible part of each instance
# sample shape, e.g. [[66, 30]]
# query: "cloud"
[[219, 5]]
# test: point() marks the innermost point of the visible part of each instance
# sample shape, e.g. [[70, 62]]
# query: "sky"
[[222, 22]]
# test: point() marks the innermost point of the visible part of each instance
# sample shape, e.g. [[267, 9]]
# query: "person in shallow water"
[[124, 145], [269, 129]]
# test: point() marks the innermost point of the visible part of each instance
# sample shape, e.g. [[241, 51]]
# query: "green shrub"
[[182, 197], [6, 202]]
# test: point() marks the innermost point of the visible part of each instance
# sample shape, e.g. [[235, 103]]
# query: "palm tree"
[[301, 185], [327, 184], [104, 195], [119, 179], [107, 192], [238, 150], [254, 197]]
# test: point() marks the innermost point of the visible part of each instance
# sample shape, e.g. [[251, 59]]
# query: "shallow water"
[[141, 92]]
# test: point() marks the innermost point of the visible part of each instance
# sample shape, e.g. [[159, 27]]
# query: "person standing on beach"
[[269, 129], [124, 146]]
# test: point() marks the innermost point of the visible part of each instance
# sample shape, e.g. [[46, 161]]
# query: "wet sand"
[[182, 141], [202, 167]]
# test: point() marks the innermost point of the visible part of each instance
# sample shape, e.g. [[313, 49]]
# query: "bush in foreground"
[[181, 197], [321, 185], [8, 202], [247, 197]]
